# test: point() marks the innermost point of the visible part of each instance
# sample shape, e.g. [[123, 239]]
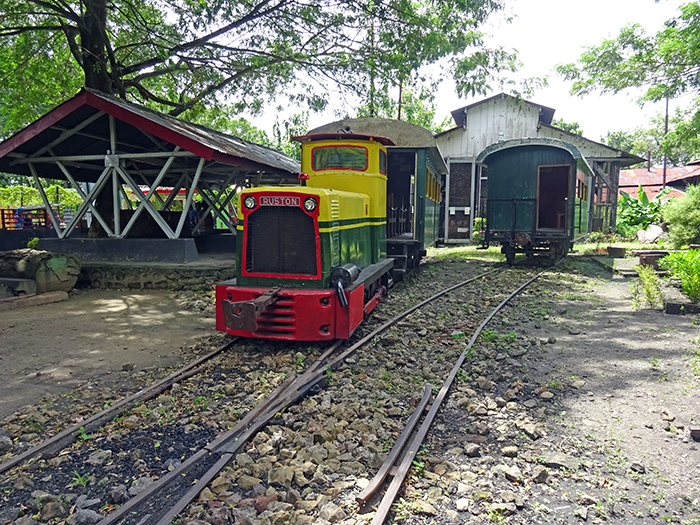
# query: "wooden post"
[[614, 168]]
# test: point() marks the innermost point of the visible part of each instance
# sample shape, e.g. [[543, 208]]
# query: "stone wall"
[[123, 277]]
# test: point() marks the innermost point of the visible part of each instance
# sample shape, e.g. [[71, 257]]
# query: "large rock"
[[52, 272]]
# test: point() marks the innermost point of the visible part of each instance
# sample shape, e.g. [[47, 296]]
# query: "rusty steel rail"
[[417, 441], [70, 435], [226, 445], [383, 472]]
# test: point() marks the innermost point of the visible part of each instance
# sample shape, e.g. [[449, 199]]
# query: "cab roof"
[[343, 136]]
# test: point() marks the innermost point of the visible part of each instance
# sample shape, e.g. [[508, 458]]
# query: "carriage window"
[[339, 158], [382, 162]]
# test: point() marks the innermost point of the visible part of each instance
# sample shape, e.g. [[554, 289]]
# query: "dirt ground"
[[613, 388], [50, 349]]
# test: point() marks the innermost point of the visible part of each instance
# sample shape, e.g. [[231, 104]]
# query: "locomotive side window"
[[338, 158], [382, 162]]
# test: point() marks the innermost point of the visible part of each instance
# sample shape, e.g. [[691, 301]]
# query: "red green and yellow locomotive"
[[312, 259]]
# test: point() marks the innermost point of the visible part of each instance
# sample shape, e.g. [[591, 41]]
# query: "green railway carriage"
[[539, 192]]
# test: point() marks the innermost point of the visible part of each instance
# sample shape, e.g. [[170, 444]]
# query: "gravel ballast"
[[572, 407]]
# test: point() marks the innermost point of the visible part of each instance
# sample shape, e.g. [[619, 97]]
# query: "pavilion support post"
[[147, 205], [155, 193], [213, 201], [220, 210], [126, 197], [176, 190], [112, 135], [190, 196], [116, 204], [79, 189], [151, 191], [614, 170], [101, 181], [56, 224]]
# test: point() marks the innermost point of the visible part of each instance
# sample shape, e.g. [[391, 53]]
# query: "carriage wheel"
[[509, 252]]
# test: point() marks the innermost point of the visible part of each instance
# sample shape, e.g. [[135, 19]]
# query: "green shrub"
[[685, 266], [635, 214], [683, 216], [479, 229]]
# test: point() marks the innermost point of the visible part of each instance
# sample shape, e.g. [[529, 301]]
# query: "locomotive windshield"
[[339, 157]]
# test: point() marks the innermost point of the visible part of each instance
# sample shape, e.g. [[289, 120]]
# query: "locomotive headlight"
[[250, 202], [310, 204]]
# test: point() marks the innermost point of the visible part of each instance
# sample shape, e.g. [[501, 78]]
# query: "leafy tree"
[[182, 55], [297, 124], [635, 214], [665, 64], [569, 127], [16, 196], [417, 107], [681, 144], [19, 195], [683, 216]]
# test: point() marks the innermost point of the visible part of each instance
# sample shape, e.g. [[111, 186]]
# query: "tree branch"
[[255, 13]]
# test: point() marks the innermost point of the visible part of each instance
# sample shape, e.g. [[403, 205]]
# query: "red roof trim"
[[43, 123], [344, 136], [149, 126], [85, 98]]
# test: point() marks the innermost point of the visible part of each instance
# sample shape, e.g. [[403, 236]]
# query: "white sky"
[[549, 32]]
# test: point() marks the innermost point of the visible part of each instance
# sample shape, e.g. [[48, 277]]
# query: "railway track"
[[190, 478]]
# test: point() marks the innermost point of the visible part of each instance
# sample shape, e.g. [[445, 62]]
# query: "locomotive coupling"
[[341, 278], [243, 315]]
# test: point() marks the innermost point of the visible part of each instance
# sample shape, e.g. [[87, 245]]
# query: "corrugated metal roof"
[[652, 180], [84, 120], [226, 144]]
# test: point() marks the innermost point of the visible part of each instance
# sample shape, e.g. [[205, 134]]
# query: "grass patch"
[[492, 254], [647, 290]]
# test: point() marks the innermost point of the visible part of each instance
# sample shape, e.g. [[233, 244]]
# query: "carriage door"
[[552, 196]]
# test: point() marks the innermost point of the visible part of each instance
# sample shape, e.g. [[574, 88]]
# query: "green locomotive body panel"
[[337, 232]]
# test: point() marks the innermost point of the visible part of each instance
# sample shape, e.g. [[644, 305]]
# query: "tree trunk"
[[51, 271], [97, 76], [94, 46]]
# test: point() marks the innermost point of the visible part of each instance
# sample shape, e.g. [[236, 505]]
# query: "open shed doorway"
[[552, 196]]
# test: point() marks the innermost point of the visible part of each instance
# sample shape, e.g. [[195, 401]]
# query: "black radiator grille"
[[281, 240]]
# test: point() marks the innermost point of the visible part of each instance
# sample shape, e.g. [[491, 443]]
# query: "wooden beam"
[[615, 179], [599, 171]]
